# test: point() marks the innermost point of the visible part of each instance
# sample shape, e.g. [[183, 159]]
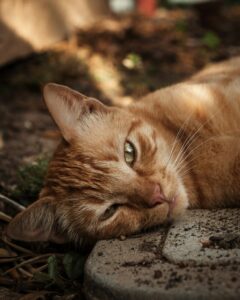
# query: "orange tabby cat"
[[121, 170]]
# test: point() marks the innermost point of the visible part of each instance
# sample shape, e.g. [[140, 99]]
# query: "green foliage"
[[132, 61], [30, 181], [74, 265], [62, 271], [53, 268], [211, 40], [53, 277]]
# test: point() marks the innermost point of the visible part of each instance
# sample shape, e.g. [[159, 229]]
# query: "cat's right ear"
[[68, 107]]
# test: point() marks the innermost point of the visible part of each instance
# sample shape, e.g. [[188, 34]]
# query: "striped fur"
[[186, 138]]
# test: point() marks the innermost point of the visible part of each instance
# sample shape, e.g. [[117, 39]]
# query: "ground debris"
[[222, 241]]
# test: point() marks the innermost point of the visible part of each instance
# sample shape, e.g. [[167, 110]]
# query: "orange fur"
[[186, 138]]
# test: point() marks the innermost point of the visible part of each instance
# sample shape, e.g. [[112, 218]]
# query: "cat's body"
[[119, 170]]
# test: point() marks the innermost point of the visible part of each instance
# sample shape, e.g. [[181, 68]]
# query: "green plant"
[[74, 264], [211, 40], [132, 61], [30, 181]]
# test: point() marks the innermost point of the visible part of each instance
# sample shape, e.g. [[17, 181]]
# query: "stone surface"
[[185, 240], [153, 266]]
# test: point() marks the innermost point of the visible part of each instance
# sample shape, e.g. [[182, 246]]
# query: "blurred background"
[[114, 50]]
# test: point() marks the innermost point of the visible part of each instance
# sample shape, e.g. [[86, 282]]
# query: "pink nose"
[[157, 196]]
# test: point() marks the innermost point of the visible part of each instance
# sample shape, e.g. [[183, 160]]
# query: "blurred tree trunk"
[[33, 25]]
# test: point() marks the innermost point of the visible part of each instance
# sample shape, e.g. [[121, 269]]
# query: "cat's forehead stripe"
[[134, 125]]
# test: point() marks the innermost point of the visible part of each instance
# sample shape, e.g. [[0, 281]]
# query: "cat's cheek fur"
[[130, 221]]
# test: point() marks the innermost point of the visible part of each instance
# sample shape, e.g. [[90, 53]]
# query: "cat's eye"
[[109, 212], [129, 153]]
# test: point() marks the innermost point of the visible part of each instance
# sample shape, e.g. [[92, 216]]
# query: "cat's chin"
[[177, 208], [169, 213], [165, 213]]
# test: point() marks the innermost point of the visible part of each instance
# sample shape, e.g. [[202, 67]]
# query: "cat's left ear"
[[68, 107], [38, 222]]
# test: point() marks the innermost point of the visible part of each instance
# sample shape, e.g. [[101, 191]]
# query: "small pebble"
[[122, 237], [205, 243]]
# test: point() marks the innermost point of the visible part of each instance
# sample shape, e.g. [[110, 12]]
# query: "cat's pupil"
[[129, 153]]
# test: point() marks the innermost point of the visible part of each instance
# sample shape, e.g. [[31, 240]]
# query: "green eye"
[[129, 153], [109, 212]]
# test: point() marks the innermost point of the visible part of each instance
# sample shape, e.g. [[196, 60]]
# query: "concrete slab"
[[187, 238], [145, 266]]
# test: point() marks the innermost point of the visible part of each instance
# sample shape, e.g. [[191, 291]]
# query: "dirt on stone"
[[223, 241], [146, 263], [157, 274]]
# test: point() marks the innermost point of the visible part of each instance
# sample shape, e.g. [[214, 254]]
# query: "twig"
[[19, 248], [25, 285], [6, 281], [5, 217], [28, 261], [25, 272], [12, 202], [40, 269], [8, 259]]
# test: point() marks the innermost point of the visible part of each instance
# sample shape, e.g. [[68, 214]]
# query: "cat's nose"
[[157, 196]]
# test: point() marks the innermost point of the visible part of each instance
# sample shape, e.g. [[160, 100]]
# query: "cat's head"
[[107, 178]]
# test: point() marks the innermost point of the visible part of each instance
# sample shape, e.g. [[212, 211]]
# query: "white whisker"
[[179, 134], [189, 154], [189, 141]]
